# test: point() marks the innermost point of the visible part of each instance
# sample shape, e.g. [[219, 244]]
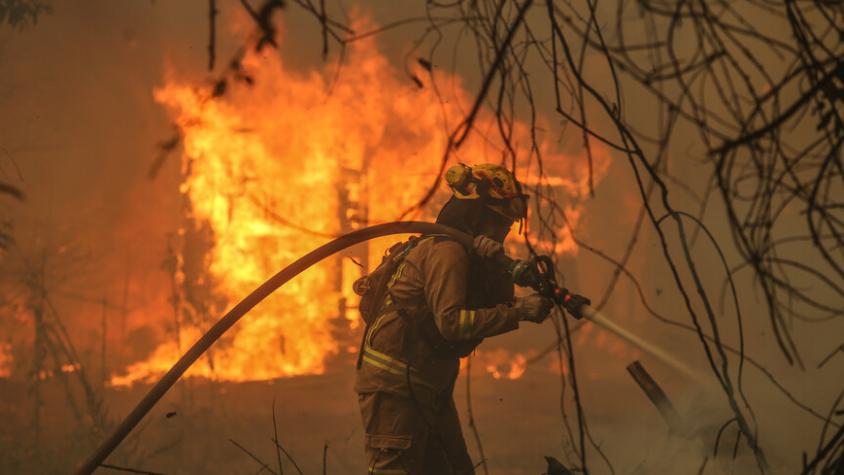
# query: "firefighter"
[[438, 304]]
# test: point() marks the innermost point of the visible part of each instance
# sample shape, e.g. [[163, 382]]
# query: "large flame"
[[271, 169], [5, 360]]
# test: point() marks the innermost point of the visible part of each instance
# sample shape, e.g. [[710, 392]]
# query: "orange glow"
[[502, 364], [262, 167], [499, 363], [5, 360]]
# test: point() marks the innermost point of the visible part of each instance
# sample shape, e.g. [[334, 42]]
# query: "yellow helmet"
[[493, 184]]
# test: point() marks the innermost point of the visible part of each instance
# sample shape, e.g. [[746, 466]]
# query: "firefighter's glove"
[[487, 247], [533, 308]]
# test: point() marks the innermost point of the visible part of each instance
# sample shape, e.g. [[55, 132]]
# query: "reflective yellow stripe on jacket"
[[465, 324]]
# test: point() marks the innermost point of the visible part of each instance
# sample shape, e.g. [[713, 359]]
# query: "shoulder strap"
[[376, 285]]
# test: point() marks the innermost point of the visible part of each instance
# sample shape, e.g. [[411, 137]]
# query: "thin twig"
[[129, 470], [212, 33], [275, 435], [287, 454], [252, 456]]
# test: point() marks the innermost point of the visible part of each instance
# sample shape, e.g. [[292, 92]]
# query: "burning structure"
[[262, 190]]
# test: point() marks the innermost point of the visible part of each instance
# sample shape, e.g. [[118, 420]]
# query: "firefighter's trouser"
[[407, 438]]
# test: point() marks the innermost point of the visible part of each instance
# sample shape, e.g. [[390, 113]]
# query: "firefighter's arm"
[[445, 274]]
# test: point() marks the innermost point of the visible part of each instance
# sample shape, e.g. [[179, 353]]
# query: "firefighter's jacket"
[[466, 298]]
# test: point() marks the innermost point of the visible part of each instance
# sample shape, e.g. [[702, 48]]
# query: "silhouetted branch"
[[252, 456], [212, 33], [129, 470]]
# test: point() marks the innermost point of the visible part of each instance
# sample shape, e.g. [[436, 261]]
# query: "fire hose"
[[537, 273]]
